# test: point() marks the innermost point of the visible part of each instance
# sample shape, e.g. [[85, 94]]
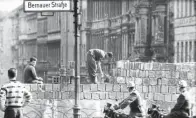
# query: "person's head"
[[182, 86], [12, 73], [130, 86], [109, 55], [33, 61]]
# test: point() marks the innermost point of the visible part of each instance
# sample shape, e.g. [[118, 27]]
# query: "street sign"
[[45, 5]]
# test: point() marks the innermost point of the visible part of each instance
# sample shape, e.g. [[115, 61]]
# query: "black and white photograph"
[[97, 58]]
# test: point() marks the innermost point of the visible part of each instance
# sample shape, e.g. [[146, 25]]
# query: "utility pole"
[[76, 108]]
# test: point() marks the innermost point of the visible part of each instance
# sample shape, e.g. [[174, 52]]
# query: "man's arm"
[[127, 101], [34, 74], [180, 102], [2, 99]]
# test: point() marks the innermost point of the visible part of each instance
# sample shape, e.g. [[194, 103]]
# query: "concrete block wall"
[[157, 83]]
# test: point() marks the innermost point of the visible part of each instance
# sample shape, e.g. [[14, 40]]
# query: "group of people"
[[14, 96]]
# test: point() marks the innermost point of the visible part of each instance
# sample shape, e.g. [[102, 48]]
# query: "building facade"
[[131, 29], [185, 30]]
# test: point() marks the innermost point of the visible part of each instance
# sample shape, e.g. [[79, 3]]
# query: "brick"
[[173, 74], [109, 87], [33, 87], [158, 74], [158, 89], [81, 96], [121, 80], [63, 87], [65, 95], [87, 95], [168, 97], [137, 65], [56, 87], [145, 89], [178, 67], [177, 75], [123, 88], [172, 89], [138, 81], [40, 95], [149, 96], [131, 65], [128, 79], [71, 95], [170, 67], [168, 74], [116, 87], [86, 87], [164, 89], [118, 73], [95, 96], [101, 87], [126, 64], [94, 87], [112, 95], [146, 81], [48, 95], [127, 73], [163, 74], [152, 81], [81, 88], [102, 95], [185, 67], [191, 76], [137, 73], [57, 95], [120, 64]]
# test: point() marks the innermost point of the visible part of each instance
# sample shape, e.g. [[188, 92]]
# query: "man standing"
[[182, 107], [94, 57], [134, 101], [30, 75], [13, 96]]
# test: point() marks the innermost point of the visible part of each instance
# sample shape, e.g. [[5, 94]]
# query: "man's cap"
[[183, 83], [130, 84]]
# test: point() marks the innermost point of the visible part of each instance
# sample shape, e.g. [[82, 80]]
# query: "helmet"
[[183, 83], [130, 84]]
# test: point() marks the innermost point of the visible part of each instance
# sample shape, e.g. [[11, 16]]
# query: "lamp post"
[[76, 108]]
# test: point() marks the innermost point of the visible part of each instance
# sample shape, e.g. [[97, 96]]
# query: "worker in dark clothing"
[[94, 57], [30, 75], [182, 107], [134, 101]]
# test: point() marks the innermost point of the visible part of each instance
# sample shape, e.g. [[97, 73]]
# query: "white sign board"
[[33, 6]]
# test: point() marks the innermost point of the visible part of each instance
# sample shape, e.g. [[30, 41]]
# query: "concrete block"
[[127, 73], [81, 96], [71, 95], [128, 79], [116, 87], [158, 89], [145, 89], [139, 88], [173, 82], [131, 65], [123, 88], [102, 95], [168, 74], [65, 95], [71, 87], [48, 95], [183, 75], [158, 73], [119, 95], [172, 89], [137, 73], [173, 74], [27, 86], [164, 89], [120, 64], [109, 87], [40, 95], [121, 80], [101, 87], [156, 66], [86, 87], [112, 95], [34, 95], [191, 76], [170, 67], [138, 81], [146, 81], [95, 96], [151, 74], [126, 64], [152, 81], [34, 87], [185, 67], [125, 94], [87, 95], [174, 97], [57, 95], [118, 72], [137, 65], [149, 96], [168, 97], [94, 87], [142, 74], [56, 87], [152, 89], [179, 67], [164, 81]]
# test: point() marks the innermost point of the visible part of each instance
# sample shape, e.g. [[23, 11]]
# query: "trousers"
[[13, 112]]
